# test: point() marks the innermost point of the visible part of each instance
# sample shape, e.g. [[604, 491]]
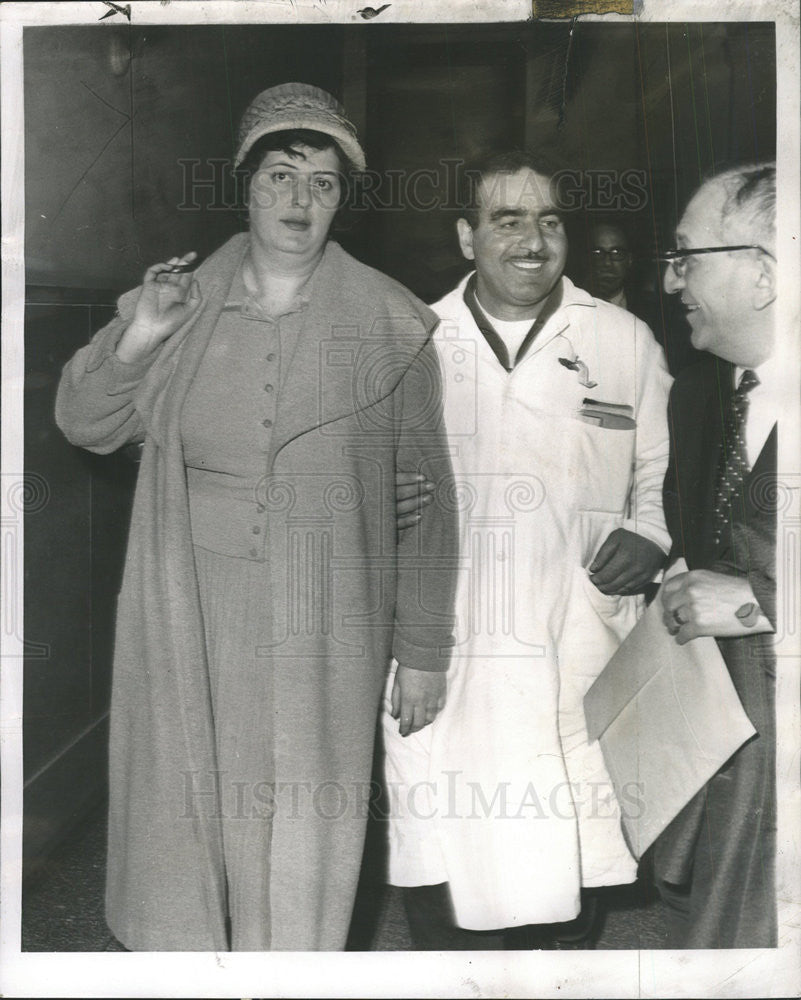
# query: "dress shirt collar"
[[768, 373], [765, 401]]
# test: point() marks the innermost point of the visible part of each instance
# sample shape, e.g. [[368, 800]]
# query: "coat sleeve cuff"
[[765, 592], [434, 658], [105, 343], [762, 587], [125, 376], [114, 376], [659, 536]]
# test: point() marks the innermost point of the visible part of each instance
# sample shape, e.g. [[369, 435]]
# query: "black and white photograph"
[[401, 499]]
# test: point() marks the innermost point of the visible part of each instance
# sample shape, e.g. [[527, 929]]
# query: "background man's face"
[[716, 289], [519, 244], [608, 271]]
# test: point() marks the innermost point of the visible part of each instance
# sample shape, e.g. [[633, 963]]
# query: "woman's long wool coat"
[[362, 397]]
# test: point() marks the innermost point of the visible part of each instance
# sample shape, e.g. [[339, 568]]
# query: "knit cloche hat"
[[297, 106]]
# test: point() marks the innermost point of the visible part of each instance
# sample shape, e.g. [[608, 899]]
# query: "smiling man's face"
[[717, 289], [519, 244]]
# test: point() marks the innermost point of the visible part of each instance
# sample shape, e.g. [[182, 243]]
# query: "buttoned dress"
[[226, 460], [504, 796]]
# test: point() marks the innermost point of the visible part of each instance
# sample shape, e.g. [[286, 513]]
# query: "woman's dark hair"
[[287, 142]]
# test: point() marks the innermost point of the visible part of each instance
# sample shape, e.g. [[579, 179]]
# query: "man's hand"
[[167, 300], [417, 697], [705, 603], [412, 492], [625, 563]]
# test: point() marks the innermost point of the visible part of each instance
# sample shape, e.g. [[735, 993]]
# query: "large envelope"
[[667, 717]]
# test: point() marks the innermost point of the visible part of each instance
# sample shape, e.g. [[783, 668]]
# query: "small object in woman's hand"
[[181, 268]]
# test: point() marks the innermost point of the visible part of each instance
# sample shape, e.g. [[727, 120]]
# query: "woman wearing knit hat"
[[275, 390]]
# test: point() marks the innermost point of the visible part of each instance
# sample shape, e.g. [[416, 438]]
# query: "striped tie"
[[733, 466]]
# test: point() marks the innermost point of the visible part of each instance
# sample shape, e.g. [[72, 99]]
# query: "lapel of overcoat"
[[718, 392], [351, 354], [699, 420]]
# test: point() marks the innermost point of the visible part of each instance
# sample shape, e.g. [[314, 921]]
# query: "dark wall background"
[[75, 535], [110, 113]]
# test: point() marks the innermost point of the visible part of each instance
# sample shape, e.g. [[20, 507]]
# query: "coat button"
[[256, 529], [271, 356], [269, 388], [254, 552], [260, 508], [267, 423]]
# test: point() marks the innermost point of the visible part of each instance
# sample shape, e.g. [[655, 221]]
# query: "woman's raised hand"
[[168, 299]]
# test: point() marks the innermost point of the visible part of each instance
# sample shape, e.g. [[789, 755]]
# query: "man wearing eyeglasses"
[[715, 862], [610, 263]]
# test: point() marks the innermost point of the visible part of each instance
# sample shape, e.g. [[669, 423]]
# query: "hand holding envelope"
[[703, 602], [667, 717]]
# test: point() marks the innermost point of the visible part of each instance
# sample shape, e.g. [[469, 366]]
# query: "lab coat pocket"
[[617, 613], [600, 463], [595, 625]]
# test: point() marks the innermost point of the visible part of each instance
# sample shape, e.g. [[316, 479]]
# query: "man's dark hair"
[[611, 222], [508, 161]]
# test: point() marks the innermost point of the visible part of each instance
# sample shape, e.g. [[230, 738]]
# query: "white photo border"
[[769, 973]]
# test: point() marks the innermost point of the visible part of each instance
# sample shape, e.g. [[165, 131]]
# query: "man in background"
[[613, 276], [610, 262]]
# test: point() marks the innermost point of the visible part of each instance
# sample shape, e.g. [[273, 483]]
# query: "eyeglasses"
[[678, 258], [614, 254]]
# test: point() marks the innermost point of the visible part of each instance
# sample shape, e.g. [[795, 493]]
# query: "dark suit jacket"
[[722, 844]]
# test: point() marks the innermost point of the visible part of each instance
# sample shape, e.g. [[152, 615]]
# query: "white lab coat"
[[504, 797]]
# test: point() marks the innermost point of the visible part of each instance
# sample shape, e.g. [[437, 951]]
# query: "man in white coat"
[[501, 811]]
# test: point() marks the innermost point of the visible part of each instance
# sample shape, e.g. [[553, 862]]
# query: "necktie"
[[733, 466]]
